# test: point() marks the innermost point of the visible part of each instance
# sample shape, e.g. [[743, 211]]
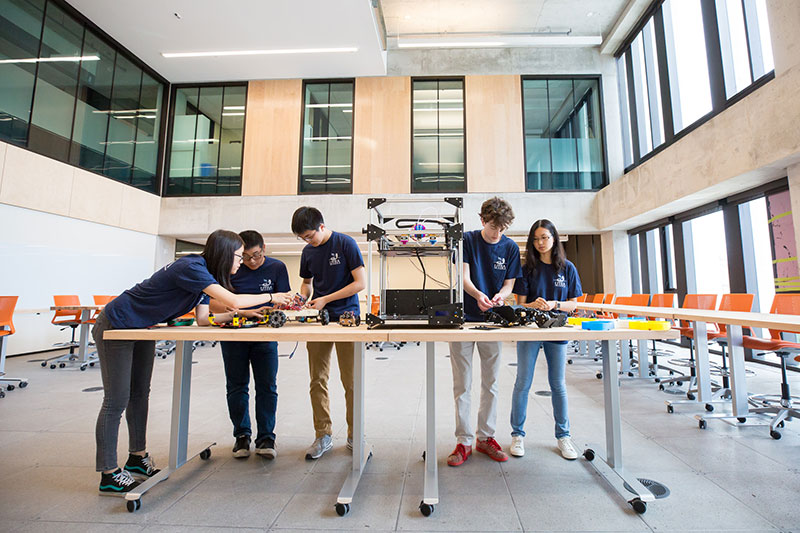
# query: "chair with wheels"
[[65, 319], [7, 305], [99, 299], [706, 302]]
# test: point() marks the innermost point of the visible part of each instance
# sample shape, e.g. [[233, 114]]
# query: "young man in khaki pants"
[[331, 265]]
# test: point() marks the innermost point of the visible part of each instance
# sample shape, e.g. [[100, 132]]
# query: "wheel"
[[358, 320], [2, 393], [690, 395], [205, 454], [83, 367], [569, 361], [679, 383], [701, 424], [630, 374], [91, 364], [44, 364], [62, 365], [324, 319], [661, 386], [779, 425], [657, 380], [638, 505], [742, 419], [709, 407], [588, 454], [423, 455], [426, 509], [342, 508], [23, 384], [599, 375], [134, 505], [670, 409], [775, 434], [52, 366], [10, 387]]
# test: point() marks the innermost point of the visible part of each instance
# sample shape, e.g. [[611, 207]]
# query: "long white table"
[[609, 466]]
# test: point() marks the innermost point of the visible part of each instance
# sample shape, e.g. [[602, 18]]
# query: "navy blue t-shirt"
[[171, 292], [489, 266], [330, 265], [549, 284], [270, 277]]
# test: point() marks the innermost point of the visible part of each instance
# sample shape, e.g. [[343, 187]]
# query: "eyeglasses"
[[307, 237], [542, 239], [239, 257], [255, 257]]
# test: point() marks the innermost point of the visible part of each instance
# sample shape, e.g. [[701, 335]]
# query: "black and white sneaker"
[[117, 483], [141, 467], [266, 448], [242, 447]]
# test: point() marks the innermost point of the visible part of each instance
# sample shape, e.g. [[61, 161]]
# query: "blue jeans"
[[527, 353], [238, 357]]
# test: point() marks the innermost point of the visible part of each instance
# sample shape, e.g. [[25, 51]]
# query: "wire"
[[290, 355], [443, 284], [424, 279]]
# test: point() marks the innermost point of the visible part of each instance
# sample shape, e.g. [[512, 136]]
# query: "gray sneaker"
[[318, 447]]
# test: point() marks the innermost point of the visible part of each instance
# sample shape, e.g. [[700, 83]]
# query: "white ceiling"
[[149, 27]]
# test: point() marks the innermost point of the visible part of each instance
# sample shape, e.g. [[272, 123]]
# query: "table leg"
[[431, 493], [738, 382], [702, 369], [361, 452], [644, 361], [83, 347]]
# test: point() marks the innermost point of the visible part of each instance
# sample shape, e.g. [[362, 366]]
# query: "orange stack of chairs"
[[7, 306]]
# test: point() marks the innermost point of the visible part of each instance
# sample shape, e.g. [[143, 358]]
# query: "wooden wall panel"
[[382, 136], [495, 157], [272, 138]]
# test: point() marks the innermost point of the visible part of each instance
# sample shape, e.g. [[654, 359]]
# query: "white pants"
[[461, 361]]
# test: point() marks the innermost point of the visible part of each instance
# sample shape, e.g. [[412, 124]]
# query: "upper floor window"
[[563, 134], [327, 150], [438, 144]]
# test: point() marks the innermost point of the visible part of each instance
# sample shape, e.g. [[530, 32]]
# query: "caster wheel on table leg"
[[342, 508], [775, 434], [701, 424], [426, 509], [638, 505], [10, 387], [599, 375], [742, 419], [205, 454], [588, 454], [134, 505], [670, 409], [709, 407], [83, 367], [44, 364], [23, 384]]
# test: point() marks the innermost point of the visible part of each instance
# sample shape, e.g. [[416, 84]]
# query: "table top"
[[737, 318], [76, 307], [337, 333]]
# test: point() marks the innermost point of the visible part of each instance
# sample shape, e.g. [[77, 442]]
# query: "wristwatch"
[[558, 305]]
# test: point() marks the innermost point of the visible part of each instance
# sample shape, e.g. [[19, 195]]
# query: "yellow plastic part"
[[578, 320], [651, 325]]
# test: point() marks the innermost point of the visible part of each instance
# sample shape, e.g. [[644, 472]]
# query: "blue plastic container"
[[598, 325]]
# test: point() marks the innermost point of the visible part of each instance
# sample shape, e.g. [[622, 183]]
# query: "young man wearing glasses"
[[263, 275], [331, 265]]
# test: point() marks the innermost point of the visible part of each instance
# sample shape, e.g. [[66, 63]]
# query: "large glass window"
[[327, 152], [20, 34], [563, 134], [205, 155], [438, 146], [744, 42], [622, 80], [69, 94], [710, 254]]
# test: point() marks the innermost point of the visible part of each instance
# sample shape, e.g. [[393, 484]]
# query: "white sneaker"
[[568, 449], [517, 447]]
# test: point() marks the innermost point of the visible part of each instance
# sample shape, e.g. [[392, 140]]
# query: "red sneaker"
[[492, 449], [459, 455]]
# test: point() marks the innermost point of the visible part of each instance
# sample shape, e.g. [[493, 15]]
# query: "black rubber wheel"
[[679, 383], [83, 368], [2, 393], [638, 505], [599, 375], [588, 454], [423, 455], [133, 505], [775, 434], [426, 508], [358, 320], [44, 364], [661, 386], [342, 508], [657, 380], [324, 319], [205, 454], [690, 395], [630, 374], [62, 365], [742, 419], [91, 364], [670, 409], [23, 384], [569, 361], [10, 387], [701, 424], [709, 407]]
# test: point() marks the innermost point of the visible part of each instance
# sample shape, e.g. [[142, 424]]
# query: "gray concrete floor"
[[721, 479]]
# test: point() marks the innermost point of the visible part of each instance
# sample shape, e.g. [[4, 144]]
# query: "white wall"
[[45, 254]]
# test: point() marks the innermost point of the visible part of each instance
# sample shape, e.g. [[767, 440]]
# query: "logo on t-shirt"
[[560, 281], [500, 264], [266, 286], [334, 260]]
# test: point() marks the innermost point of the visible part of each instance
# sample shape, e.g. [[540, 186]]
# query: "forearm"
[[305, 290], [505, 290], [568, 306]]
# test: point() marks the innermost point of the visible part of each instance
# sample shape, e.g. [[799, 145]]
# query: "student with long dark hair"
[[549, 282], [127, 366]]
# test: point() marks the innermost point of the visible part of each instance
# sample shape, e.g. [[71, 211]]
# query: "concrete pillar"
[[784, 21], [165, 252], [616, 262]]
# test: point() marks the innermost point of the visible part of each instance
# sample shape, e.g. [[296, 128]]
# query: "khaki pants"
[[319, 369], [461, 361]]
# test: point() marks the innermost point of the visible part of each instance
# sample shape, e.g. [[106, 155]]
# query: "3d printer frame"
[[416, 235]]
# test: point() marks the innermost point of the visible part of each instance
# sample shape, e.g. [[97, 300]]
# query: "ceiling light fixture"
[[227, 53], [494, 40], [51, 59]]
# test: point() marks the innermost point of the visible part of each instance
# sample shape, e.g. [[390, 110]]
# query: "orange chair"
[[609, 299], [639, 300], [66, 319], [780, 406], [582, 297], [7, 305], [100, 299]]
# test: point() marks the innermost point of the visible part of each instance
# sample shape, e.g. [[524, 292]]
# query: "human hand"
[[281, 298], [542, 304], [484, 303], [317, 303]]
